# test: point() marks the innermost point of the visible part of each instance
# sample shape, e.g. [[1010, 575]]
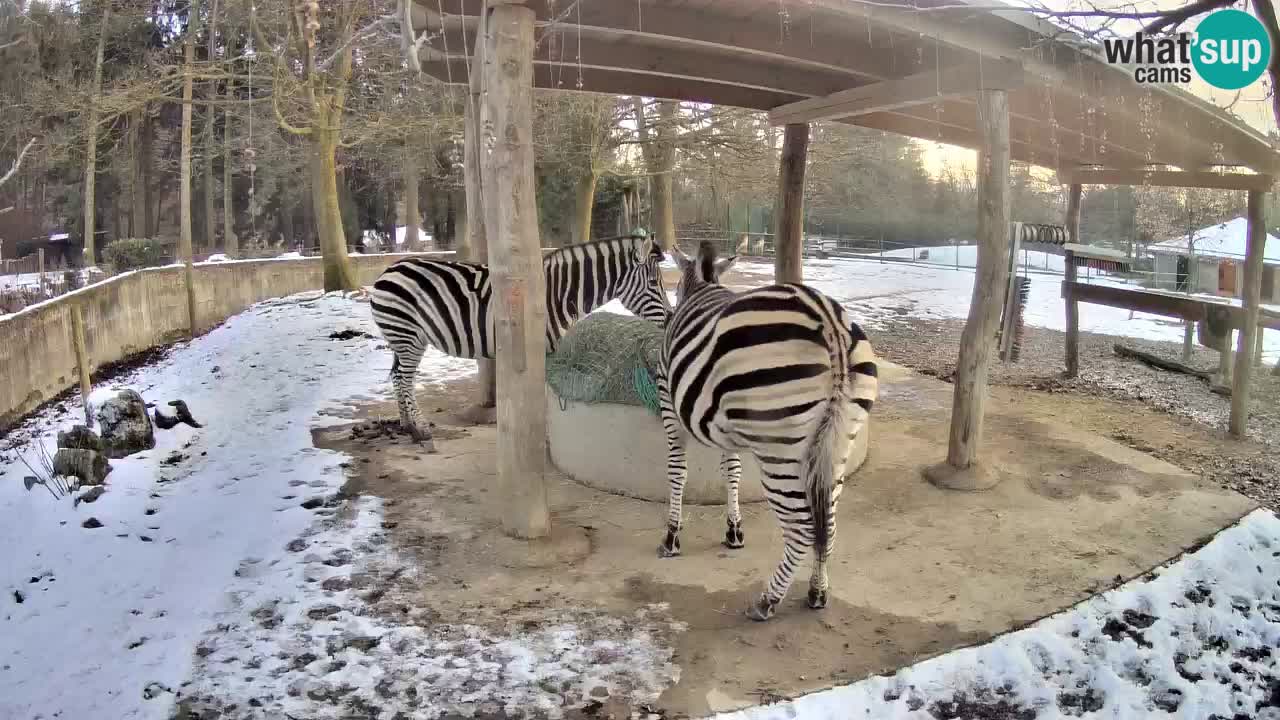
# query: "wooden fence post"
[[40, 265], [189, 275], [1069, 279], [82, 359], [990, 280]]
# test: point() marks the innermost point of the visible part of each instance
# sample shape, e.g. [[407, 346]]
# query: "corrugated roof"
[[1223, 240]]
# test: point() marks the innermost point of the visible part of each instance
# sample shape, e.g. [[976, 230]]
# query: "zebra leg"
[[798, 539], [731, 469], [407, 358], [677, 470]]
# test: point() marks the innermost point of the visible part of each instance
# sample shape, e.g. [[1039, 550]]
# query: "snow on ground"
[[1199, 641], [873, 289], [228, 557]]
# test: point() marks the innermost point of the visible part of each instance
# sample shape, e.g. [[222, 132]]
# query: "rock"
[[90, 495], [89, 466], [126, 426], [91, 523], [80, 438]]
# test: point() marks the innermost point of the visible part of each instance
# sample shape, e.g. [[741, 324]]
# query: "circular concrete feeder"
[[621, 449]]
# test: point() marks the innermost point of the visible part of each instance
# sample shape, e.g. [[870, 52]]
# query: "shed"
[[1211, 260], [1003, 82]]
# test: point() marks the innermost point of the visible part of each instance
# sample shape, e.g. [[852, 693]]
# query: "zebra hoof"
[[670, 546], [761, 610], [817, 599], [733, 538]]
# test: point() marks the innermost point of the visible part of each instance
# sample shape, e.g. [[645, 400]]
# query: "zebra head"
[[702, 269], [640, 289]]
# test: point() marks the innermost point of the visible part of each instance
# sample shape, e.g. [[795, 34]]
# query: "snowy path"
[[107, 611], [1199, 642]]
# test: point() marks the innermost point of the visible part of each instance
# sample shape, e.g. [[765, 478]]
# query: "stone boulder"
[[89, 466], [80, 438], [126, 427]]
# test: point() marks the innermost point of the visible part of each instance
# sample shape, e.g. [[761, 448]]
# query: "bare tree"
[[91, 143]]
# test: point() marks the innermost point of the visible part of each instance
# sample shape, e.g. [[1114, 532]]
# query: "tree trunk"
[[184, 162], [412, 214], [584, 200], [1251, 296], [990, 280], [150, 210], [328, 215], [477, 239], [664, 218], [91, 154], [788, 260], [1075, 196], [516, 260], [184, 159], [230, 242]]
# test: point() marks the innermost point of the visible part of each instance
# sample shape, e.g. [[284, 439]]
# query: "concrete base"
[[621, 449], [974, 477]]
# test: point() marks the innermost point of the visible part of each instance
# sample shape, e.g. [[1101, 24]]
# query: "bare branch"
[[18, 162], [11, 43], [1172, 19], [366, 31]]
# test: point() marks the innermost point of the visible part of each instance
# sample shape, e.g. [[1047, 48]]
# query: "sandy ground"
[[918, 571]]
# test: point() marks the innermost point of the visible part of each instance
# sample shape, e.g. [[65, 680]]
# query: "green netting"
[[607, 358]]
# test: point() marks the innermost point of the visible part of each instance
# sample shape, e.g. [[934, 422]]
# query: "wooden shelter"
[[1003, 82]]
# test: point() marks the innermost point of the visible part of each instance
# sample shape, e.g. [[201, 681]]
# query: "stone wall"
[[139, 310]]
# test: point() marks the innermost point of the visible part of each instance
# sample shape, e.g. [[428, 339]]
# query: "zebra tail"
[[819, 458], [837, 424]]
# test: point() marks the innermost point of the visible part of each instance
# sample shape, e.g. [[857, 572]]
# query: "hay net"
[[608, 358]]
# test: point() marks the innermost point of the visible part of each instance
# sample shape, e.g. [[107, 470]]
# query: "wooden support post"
[[976, 343], [189, 275], [1249, 328], [476, 239], [1073, 307], [788, 261], [515, 261], [1258, 347], [40, 266], [1225, 359], [82, 360]]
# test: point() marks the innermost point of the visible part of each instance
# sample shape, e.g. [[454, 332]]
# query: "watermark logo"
[[1229, 50]]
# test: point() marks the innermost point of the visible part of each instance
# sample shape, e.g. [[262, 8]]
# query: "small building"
[[1211, 260]]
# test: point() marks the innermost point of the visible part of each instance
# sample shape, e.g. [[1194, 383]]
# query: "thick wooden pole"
[[515, 260], [1073, 307], [992, 276], [788, 248], [82, 360], [475, 238], [1251, 296]]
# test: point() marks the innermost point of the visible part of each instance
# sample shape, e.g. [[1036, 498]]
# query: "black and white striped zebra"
[[778, 372], [419, 302]]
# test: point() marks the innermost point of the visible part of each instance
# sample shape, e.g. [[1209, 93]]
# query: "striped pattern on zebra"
[[778, 372], [443, 303]]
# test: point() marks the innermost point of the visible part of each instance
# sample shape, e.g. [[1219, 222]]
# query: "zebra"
[[778, 372], [418, 302]]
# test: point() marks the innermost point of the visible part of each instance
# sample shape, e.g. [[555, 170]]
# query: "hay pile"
[[608, 358]]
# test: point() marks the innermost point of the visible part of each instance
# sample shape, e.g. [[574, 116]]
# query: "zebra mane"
[[567, 252]]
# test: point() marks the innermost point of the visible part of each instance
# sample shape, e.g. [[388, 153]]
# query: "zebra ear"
[[681, 259], [723, 264]]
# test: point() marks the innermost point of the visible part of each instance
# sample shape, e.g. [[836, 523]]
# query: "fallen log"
[[1160, 363]]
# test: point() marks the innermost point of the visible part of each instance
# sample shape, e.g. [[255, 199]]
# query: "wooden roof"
[[1068, 107]]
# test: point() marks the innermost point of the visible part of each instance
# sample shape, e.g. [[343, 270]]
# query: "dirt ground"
[[917, 571]]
